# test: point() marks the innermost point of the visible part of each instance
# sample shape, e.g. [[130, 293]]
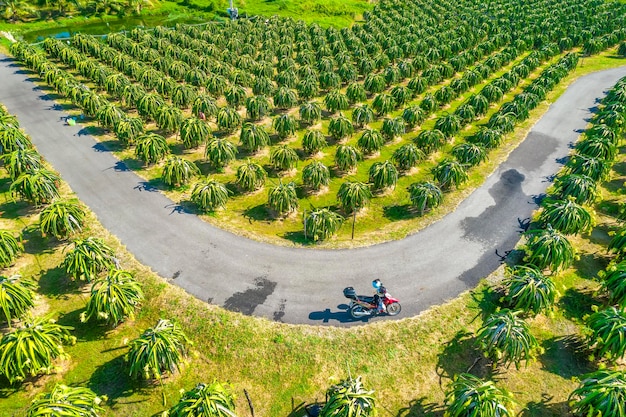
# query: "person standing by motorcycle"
[[379, 295]]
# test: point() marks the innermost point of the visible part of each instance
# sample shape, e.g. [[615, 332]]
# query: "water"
[[104, 27]]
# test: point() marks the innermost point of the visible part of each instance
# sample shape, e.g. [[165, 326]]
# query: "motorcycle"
[[363, 306]]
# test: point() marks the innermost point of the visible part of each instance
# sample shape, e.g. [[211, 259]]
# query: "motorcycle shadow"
[[341, 316]]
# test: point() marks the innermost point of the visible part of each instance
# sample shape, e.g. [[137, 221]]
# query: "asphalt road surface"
[[296, 285]]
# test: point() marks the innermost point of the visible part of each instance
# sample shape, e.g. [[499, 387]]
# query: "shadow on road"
[[341, 316]]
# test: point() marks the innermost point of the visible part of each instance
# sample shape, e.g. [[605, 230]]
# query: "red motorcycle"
[[363, 306]]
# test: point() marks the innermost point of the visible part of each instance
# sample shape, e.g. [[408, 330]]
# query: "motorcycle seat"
[[366, 299]]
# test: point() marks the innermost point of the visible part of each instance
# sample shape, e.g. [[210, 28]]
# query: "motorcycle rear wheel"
[[394, 309], [358, 312]]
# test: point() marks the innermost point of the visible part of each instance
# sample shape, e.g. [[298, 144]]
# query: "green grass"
[[408, 363]]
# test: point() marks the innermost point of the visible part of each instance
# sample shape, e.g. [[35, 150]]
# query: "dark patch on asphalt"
[[278, 315], [498, 220], [531, 158], [246, 301], [176, 274]]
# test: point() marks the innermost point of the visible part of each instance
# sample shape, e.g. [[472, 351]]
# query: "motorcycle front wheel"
[[358, 312], [394, 309]]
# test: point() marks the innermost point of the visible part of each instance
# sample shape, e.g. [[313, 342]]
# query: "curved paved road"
[[305, 285]]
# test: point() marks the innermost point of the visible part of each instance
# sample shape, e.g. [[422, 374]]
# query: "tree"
[[149, 104], [10, 248], [61, 219], [401, 95], [469, 154], [527, 289], [30, 349], [158, 350], [470, 396], [21, 160], [614, 283], [595, 168], [430, 140], [349, 399], [283, 198], [407, 156], [178, 171], [228, 119], [371, 141], [169, 118], [335, 100], [151, 148], [580, 188], [38, 187], [285, 98], [310, 112], [16, 297], [209, 194], [235, 95], [449, 173], [254, 137], [13, 138], [356, 92], [375, 83], [362, 115], [566, 216], [601, 393], [313, 141], [285, 125], [128, 129], [449, 125], [284, 157], [340, 127], [425, 195], [193, 132], [88, 258], [66, 401], [413, 116], [383, 103], [393, 128], [206, 400], [607, 333], [251, 176], [220, 151], [353, 195], [547, 248], [204, 104], [322, 224], [183, 96], [486, 136], [383, 175], [109, 115], [315, 175], [347, 157], [113, 298]]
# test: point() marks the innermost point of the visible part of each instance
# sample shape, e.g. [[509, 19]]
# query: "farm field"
[[191, 131], [281, 364], [362, 133]]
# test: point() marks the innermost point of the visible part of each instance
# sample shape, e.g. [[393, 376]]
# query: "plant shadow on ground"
[[111, 379], [153, 185], [545, 408], [566, 356], [486, 299], [36, 244], [589, 264], [397, 212], [421, 408], [55, 283], [14, 209], [83, 331], [105, 145], [575, 303], [257, 213], [462, 355]]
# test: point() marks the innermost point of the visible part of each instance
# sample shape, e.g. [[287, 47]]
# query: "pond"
[[103, 27]]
